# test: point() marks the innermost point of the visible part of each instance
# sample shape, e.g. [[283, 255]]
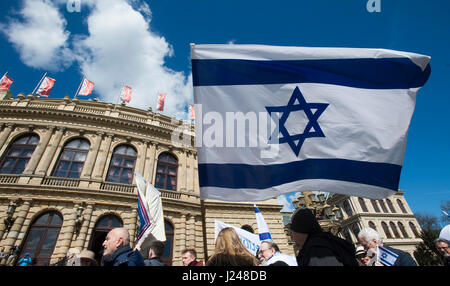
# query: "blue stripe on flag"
[[388, 251], [370, 73], [385, 262], [238, 176], [264, 236]]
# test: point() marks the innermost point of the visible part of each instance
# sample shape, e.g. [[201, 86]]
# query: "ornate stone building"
[[391, 217], [67, 177]]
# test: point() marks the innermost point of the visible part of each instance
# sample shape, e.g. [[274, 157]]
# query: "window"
[[347, 236], [401, 206], [18, 154], [403, 230], [362, 203], [391, 207], [355, 229], [348, 208], [122, 165], [414, 230], [386, 230], [41, 238], [372, 225], [167, 256], [166, 172], [383, 206], [394, 229], [72, 159], [375, 206]]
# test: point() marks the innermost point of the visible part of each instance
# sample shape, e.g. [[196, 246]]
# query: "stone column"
[[65, 234], [50, 152], [132, 222], [92, 156], [38, 152], [142, 153], [149, 162], [99, 165], [183, 231], [5, 133], [79, 240], [20, 214]]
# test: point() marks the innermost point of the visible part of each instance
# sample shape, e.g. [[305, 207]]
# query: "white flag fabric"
[[250, 241], [86, 87], [263, 229], [150, 211], [274, 120], [386, 256], [45, 87]]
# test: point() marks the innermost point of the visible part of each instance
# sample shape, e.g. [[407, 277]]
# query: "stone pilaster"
[[4, 135], [102, 156], [92, 155], [149, 162], [50, 151], [20, 214], [38, 152]]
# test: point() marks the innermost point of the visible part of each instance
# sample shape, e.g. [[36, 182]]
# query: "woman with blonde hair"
[[230, 251]]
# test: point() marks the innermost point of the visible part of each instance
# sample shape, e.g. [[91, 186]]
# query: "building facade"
[[391, 218], [67, 177]]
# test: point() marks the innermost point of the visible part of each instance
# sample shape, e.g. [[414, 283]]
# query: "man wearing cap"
[[318, 248]]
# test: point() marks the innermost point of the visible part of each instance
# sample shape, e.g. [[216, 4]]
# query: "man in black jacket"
[[154, 254], [370, 238], [318, 248], [117, 250]]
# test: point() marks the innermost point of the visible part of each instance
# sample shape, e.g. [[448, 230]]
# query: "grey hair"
[[442, 240], [370, 234]]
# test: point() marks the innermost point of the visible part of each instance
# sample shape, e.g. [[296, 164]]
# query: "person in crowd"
[[316, 247], [117, 250], [25, 261], [3, 256], [87, 258], [261, 260], [370, 238], [189, 257], [229, 251], [155, 252], [443, 246], [270, 252], [14, 253], [361, 256]]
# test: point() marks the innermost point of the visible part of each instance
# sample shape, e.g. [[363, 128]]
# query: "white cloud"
[[41, 39], [120, 48]]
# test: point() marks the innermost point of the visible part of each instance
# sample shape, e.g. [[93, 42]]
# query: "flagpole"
[[79, 86], [39, 83], [205, 242]]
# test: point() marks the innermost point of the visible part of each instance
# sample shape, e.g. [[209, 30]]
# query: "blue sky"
[[145, 44]]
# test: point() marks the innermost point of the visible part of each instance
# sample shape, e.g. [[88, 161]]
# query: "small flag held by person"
[[5, 82], [385, 256], [160, 103], [45, 87], [125, 94], [150, 211], [86, 87], [263, 229]]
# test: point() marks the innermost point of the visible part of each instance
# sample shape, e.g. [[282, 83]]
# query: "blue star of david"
[[312, 129]]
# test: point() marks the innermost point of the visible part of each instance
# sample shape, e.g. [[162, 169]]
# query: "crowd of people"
[[316, 248]]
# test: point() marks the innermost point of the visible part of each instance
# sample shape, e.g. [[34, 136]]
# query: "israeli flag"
[[386, 256], [274, 120], [263, 229]]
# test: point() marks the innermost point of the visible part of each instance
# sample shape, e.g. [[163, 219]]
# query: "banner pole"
[[79, 86], [205, 242], [39, 83]]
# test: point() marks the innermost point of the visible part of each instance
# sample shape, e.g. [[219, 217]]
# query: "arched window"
[[386, 230], [101, 229], [362, 203], [401, 206], [403, 230], [383, 206], [391, 207], [121, 168], [41, 238], [372, 225], [347, 235], [72, 158], [355, 229], [375, 206], [394, 229], [166, 172], [167, 256], [414, 230], [18, 154], [348, 208]]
